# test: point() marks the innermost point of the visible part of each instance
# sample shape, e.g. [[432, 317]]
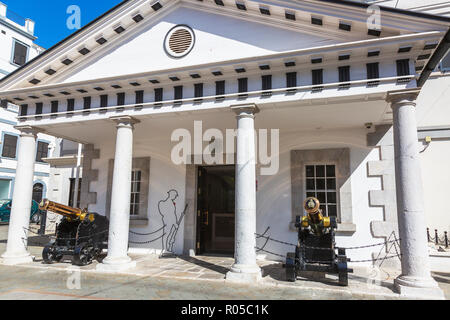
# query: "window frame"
[[37, 150], [441, 67], [336, 191], [14, 50], [4, 133], [133, 203]]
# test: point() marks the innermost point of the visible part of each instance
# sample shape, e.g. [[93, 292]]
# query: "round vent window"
[[179, 41]]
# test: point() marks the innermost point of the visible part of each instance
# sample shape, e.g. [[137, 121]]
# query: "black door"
[[215, 205]]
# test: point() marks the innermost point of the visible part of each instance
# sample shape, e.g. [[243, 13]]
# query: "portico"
[[326, 97]]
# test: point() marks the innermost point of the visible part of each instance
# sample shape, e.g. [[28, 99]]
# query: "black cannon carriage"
[[80, 234], [316, 250]]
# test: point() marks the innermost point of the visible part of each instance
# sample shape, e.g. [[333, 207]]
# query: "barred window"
[[136, 180], [403, 67], [9, 146], [198, 90], [20, 53], [42, 151], [317, 76], [344, 74], [321, 183]]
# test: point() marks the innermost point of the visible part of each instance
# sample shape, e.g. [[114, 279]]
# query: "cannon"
[[80, 234], [316, 250]]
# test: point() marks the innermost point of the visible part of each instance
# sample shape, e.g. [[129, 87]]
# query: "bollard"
[[436, 236], [43, 222], [428, 234], [446, 239]]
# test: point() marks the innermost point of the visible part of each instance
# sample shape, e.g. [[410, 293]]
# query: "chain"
[[146, 234], [320, 248], [54, 237], [324, 262]]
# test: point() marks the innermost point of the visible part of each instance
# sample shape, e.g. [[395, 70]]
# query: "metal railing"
[[438, 240]]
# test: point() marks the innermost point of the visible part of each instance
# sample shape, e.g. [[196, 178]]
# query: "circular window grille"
[[179, 41]]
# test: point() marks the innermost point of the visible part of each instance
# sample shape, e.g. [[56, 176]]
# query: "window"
[[373, 70], [321, 183], [178, 92], [103, 101], [87, 102], [158, 94], [220, 88], [403, 67], [317, 76], [54, 106], [136, 176], [42, 151], [121, 99], [72, 193], [70, 104], [4, 189], [39, 106], [38, 192], [344, 74], [266, 82], [291, 79], [198, 90], [20, 53], [9, 146], [243, 85], [139, 97], [24, 110]]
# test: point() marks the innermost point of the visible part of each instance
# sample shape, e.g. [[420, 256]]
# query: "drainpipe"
[[437, 56]]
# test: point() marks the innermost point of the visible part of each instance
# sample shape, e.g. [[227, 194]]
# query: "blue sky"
[[51, 17]]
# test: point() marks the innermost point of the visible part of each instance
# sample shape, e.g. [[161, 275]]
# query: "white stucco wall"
[[274, 192]]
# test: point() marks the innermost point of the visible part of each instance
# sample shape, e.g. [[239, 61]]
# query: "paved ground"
[[180, 278]]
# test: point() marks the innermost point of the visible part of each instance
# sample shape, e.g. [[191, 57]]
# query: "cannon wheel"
[[83, 255], [50, 256]]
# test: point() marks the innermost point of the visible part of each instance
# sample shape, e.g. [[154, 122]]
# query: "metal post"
[[436, 236], [428, 234], [43, 222], [446, 239]]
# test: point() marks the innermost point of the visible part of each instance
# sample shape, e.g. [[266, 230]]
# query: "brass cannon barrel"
[[66, 211]]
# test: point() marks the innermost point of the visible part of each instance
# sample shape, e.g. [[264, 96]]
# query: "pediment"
[[218, 38], [223, 33]]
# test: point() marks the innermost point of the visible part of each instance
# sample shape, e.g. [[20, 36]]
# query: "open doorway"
[[216, 210]]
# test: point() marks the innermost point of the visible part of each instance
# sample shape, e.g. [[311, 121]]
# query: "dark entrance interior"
[[215, 210]]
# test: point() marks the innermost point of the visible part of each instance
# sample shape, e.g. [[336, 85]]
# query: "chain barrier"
[[320, 248], [54, 237], [353, 261]]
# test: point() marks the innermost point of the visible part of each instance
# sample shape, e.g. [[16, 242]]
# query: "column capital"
[[402, 96], [28, 131], [249, 109], [125, 121]]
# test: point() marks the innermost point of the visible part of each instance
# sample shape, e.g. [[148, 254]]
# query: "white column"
[[16, 248], [415, 279], [245, 268], [119, 220]]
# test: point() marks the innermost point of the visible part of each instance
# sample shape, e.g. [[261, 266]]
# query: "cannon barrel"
[[66, 211]]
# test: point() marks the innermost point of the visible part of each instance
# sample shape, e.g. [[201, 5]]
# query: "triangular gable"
[[224, 31]]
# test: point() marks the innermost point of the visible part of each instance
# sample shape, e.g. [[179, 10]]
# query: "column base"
[[116, 264], [12, 260], [418, 287], [244, 273]]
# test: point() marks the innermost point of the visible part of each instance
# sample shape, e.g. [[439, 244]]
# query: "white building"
[[341, 89], [17, 47]]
